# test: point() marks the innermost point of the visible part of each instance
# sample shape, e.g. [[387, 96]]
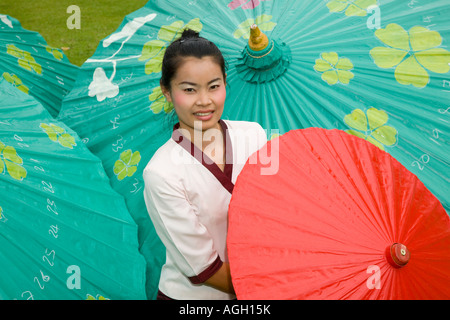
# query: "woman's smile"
[[204, 115]]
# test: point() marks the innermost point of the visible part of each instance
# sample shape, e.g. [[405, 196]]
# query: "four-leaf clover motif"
[[98, 297], [11, 162], [153, 51], [263, 22], [58, 134], [412, 53], [56, 53], [15, 81], [127, 164], [371, 127], [25, 59], [334, 69], [351, 7], [159, 101]]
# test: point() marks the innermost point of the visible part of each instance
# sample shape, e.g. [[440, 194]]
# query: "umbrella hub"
[[398, 255], [263, 59], [258, 41]]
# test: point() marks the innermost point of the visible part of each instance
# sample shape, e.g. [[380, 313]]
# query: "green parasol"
[[27, 62], [378, 70], [64, 232]]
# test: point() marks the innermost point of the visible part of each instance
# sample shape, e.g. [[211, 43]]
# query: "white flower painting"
[[102, 87], [129, 29], [5, 20]]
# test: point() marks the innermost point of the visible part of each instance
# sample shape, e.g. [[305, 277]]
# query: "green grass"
[[99, 18]]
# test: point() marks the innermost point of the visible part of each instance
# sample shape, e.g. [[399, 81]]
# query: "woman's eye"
[[215, 86], [189, 90]]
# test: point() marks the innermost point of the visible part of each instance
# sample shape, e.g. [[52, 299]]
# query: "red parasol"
[[335, 218]]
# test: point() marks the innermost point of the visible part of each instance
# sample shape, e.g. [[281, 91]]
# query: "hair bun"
[[189, 34]]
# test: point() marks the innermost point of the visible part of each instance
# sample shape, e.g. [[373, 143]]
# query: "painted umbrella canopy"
[[64, 232], [35, 68], [376, 69]]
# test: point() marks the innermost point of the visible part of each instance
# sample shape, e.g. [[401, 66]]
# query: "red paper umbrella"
[[326, 215]]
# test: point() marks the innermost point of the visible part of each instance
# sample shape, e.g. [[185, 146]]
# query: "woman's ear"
[[166, 92]]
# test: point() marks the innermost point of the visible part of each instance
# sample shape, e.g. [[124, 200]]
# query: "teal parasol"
[[35, 68], [378, 70], [64, 232]]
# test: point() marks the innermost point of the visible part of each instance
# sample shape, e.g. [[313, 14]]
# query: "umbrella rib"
[[334, 150], [373, 209]]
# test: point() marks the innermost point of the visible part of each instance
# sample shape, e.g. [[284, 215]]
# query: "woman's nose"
[[203, 99]]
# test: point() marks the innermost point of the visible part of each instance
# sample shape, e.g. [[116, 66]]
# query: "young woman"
[[189, 180]]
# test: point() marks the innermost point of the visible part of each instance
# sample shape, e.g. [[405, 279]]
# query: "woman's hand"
[[221, 280]]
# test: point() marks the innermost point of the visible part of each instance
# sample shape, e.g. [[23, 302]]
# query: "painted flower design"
[[56, 53], [58, 134], [245, 4], [25, 59], [98, 297], [102, 87], [263, 22], [127, 164], [371, 127], [153, 51], [351, 7], [159, 102], [412, 53], [15, 81], [11, 163], [333, 68]]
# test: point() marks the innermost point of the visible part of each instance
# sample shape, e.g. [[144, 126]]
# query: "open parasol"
[[64, 232], [35, 68], [335, 218], [378, 69], [325, 64]]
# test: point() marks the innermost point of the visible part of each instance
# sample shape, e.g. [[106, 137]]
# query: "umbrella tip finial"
[[398, 255], [258, 41]]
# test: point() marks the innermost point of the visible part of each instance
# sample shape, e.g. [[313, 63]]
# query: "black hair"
[[190, 44]]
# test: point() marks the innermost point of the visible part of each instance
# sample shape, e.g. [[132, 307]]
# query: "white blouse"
[[187, 198]]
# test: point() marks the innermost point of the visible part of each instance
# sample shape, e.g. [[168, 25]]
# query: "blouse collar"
[[224, 177]]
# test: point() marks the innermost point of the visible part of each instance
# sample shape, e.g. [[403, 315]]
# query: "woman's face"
[[198, 93]]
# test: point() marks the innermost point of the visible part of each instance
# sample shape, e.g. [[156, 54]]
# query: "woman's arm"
[[221, 280]]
